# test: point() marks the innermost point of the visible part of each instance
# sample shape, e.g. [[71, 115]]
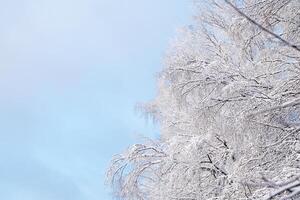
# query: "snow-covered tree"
[[228, 107]]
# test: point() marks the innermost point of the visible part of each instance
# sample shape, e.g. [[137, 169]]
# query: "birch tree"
[[228, 108]]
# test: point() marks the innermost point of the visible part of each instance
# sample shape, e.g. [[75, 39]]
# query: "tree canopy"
[[228, 108]]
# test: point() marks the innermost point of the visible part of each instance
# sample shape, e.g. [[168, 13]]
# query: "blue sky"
[[71, 73]]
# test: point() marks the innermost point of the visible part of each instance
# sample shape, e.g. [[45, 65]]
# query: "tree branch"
[[263, 28]]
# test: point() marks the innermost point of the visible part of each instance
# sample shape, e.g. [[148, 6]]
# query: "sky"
[[71, 73]]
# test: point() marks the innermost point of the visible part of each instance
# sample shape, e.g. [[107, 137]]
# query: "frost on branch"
[[228, 108]]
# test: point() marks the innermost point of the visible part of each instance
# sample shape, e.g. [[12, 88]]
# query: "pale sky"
[[71, 72]]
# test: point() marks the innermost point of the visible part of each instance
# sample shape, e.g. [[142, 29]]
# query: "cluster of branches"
[[228, 108]]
